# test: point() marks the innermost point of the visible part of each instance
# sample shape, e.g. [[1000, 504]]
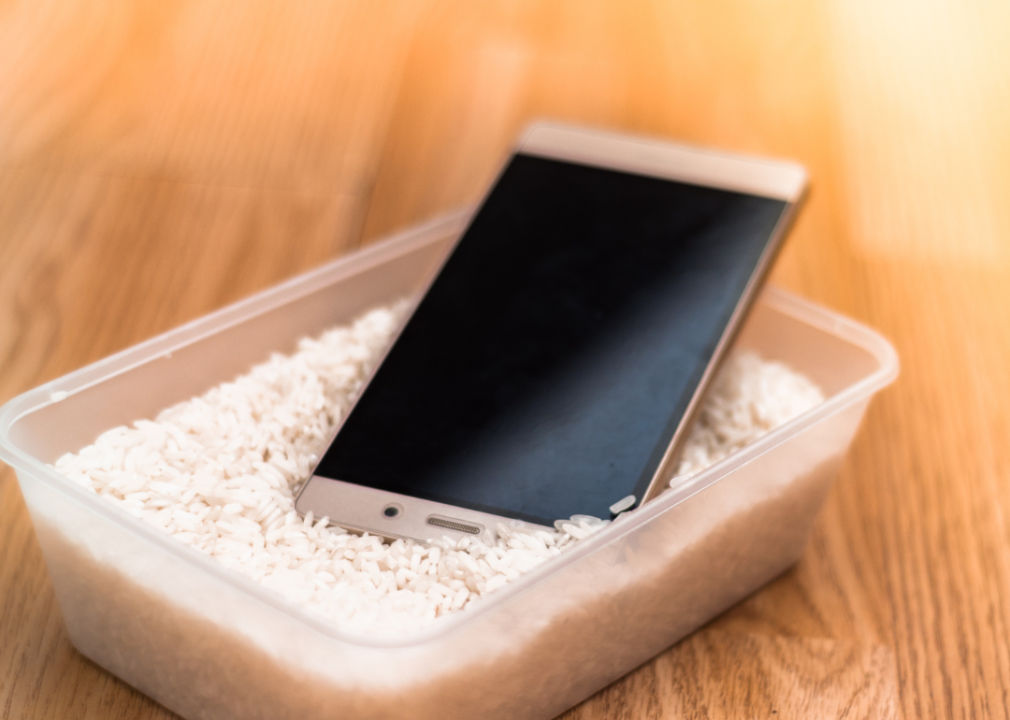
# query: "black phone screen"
[[546, 369]]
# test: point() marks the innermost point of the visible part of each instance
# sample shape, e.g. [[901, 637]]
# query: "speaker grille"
[[453, 525]]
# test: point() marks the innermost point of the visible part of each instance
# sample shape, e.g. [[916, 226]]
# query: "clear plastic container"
[[207, 643]]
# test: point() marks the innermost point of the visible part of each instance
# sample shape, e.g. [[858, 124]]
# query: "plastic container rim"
[[298, 286]]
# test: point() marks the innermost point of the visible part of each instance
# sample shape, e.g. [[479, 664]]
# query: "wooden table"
[[159, 159]]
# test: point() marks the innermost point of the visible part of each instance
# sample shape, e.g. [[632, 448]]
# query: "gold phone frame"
[[364, 508]]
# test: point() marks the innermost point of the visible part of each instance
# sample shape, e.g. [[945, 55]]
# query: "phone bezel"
[[360, 507]]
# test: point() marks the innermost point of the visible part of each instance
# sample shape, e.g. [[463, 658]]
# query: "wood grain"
[[783, 676], [158, 160]]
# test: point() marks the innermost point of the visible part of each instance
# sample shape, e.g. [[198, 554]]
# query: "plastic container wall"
[[207, 643]]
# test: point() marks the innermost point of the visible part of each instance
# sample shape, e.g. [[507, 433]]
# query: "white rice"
[[220, 473]]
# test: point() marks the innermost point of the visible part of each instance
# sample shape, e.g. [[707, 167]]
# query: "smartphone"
[[555, 360]]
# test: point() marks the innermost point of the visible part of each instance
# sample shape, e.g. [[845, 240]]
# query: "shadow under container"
[[208, 643]]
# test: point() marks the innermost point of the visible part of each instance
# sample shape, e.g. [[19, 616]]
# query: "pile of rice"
[[220, 473]]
